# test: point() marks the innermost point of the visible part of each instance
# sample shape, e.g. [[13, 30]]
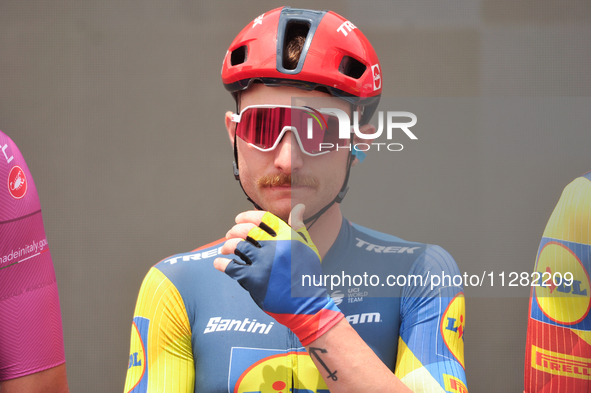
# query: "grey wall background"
[[118, 108]]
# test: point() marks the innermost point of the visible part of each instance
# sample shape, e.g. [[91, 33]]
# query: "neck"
[[325, 230]]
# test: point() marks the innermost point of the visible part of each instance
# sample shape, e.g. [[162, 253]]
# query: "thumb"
[[296, 217]]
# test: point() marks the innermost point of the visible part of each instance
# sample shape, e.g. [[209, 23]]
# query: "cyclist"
[[195, 329], [31, 339], [558, 347]]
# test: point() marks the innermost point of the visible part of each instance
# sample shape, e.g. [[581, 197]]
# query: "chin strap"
[[338, 199]]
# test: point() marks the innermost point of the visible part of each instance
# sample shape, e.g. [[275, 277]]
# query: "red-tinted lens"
[[262, 126], [318, 132]]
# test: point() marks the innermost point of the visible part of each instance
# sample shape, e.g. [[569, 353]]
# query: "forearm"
[[347, 364]]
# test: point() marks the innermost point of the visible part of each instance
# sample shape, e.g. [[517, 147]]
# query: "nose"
[[288, 155]]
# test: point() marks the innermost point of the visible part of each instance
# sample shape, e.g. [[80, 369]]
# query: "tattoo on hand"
[[316, 353]]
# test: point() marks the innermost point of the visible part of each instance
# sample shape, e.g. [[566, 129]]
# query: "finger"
[[240, 230], [221, 264], [230, 246], [251, 216], [296, 217]]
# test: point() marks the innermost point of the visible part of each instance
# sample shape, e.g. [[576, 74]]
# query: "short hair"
[[294, 44]]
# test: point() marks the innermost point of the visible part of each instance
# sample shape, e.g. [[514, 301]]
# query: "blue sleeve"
[[431, 343]]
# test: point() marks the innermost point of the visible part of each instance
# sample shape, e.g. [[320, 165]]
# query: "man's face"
[[280, 179]]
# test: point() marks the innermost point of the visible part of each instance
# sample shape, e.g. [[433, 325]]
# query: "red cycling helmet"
[[335, 56]]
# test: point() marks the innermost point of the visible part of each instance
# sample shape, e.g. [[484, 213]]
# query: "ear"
[[230, 126], [366, 129]]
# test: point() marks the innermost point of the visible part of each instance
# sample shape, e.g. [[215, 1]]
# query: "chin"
[[281, 209], [281, 214]]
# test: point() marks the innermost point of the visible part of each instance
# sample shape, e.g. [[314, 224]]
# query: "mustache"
[[282, 179]]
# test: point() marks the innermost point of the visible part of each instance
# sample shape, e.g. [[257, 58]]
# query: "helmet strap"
[[338, 199]]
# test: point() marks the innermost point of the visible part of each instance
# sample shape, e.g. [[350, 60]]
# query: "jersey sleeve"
[[558, 345], [431, 341], [161, 358], [31, 334]]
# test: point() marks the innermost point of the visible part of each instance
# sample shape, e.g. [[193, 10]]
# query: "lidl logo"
[[452, 327], [453, 384], [562, 303], [137, 371], [254, 370], [560, 364], [456, 326], [134, 361]]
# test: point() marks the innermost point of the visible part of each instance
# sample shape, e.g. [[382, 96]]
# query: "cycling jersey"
[[558, 349], [31, 338], [196, 330]]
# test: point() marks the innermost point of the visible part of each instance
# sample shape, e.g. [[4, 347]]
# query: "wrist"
[[310, 327]]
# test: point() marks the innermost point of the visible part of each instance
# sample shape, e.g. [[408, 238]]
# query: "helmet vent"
[[238, 56], [352, 67], [296, 33]]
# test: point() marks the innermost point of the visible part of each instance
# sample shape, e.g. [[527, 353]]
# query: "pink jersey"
[[31, 337]]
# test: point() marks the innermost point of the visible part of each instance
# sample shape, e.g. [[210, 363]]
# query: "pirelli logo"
[[556, 363], [453, 384]]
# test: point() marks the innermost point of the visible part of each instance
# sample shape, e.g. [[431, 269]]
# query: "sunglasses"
[[263, 127]]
